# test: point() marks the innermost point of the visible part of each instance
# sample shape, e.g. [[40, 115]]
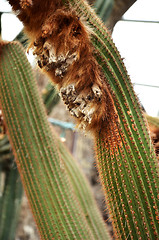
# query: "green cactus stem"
[[58, 212], [11, 191], [83, 192], [50, 97], [103, 8], [126, 158], [10, 203]]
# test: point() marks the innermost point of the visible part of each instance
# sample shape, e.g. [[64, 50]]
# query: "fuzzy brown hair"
[[61, 42]]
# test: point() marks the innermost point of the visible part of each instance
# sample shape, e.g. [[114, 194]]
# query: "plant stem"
[[126, 158], [56, 208]]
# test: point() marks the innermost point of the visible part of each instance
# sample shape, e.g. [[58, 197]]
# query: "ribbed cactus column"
[[11, 190], [56, 208], [84, 194], [126, 158]]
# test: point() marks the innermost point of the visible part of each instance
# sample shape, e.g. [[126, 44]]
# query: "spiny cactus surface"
[[58, 212], [126, 158]]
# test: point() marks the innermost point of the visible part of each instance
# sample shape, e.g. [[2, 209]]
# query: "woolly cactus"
[[94, 84], [126, 158]]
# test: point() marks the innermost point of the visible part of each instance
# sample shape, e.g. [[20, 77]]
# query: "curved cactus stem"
[[83, 192], [126, 158], [57, 210]]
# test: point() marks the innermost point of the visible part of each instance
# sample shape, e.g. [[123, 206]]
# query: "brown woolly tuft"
[[63, 49]]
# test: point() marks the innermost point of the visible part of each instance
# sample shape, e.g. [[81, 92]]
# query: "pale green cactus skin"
[[62, 206]]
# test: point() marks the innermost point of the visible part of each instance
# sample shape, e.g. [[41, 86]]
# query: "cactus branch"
[[127, 163], [55, 206]]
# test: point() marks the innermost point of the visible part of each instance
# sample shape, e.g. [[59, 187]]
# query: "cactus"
[[126, 159], [58, 211], [103, 8], [10, 188], [10, 203], [50, 97], [83, 192], [125, 156]]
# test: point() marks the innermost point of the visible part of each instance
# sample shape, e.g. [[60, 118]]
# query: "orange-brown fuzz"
[[63, 50]]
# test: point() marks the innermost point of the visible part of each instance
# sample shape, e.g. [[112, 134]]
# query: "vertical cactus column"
[[84, 194], [11, 190], [56, 208], [125, 155]]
